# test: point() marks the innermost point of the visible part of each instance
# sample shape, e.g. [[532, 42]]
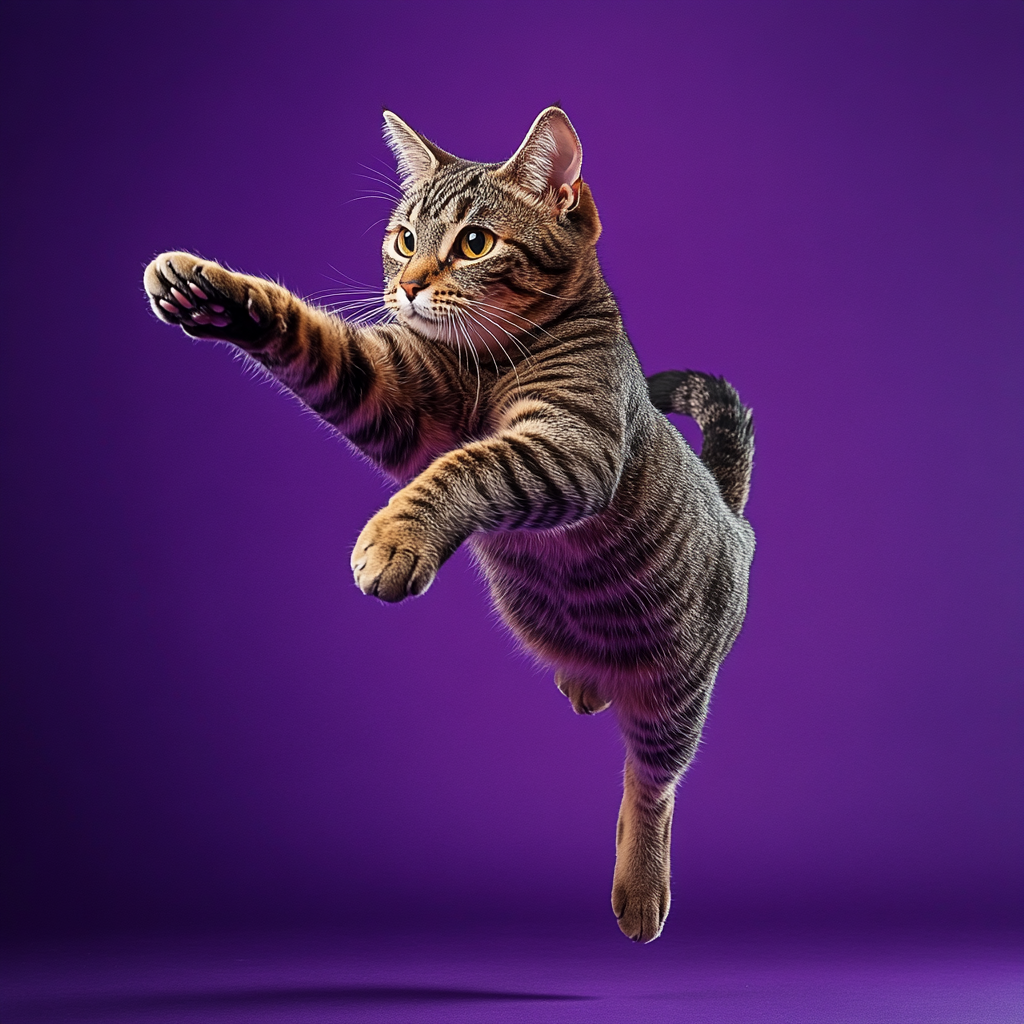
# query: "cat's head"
[[486, 254]]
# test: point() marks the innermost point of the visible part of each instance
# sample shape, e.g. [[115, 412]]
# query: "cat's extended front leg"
[[546, 469], [327, 363], [207, 301]]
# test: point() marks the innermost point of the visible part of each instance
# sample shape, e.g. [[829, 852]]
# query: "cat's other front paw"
[[207, 301], [394, 557]]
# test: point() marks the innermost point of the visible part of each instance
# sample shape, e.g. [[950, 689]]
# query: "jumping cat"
[[506, 400]]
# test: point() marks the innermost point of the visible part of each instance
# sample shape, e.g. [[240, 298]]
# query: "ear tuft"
[[549, 161], [417, 158]]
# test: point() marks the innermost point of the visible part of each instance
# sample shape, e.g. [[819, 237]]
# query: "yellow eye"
[[405, 242], [475, 242]]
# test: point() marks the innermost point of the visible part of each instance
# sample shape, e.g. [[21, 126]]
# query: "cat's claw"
[[206, 300], [393, 558]]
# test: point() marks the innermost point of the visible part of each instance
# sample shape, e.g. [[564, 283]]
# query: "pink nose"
[[411, 288]]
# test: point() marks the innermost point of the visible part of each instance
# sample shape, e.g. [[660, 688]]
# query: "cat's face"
[[485, 254]]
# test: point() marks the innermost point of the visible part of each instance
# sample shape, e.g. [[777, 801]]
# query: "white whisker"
[[508, 314], [379, 220], [371, 195], [511, 362], [341, 293], [351, 280], [491, 317], [472, 350], [375, 176], [387, 174]]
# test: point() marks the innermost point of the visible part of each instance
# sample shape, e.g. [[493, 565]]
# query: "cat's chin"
[[436, 330], [450, 332]]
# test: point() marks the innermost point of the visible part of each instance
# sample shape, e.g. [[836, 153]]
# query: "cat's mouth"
[[419, 315], [439, 325], [484, 329]]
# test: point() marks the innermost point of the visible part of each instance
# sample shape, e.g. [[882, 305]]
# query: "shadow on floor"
[[327, 995]]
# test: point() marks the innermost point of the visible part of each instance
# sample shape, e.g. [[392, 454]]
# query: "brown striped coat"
[[506, 401]]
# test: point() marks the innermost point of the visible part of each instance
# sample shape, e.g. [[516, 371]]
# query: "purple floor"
[[591, 978]]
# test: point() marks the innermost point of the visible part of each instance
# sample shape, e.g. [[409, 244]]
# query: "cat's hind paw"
[[207, 301], [641, 907], [583, 696]]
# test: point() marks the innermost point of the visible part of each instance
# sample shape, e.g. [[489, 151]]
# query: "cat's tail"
[[726, 423]]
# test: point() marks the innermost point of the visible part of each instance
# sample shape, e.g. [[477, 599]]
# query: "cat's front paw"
[[207, 301], [394, 557]]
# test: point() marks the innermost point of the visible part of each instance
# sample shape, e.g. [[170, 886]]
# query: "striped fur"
[[508, 403]]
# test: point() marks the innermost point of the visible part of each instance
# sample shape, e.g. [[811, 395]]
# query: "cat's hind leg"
[[658, 749], [582, 695], [640, 889]]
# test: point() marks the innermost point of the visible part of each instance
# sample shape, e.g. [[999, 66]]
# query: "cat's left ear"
[[417, 157], [549, 161]]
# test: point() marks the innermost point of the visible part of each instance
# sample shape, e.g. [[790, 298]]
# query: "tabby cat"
[[505, 398]]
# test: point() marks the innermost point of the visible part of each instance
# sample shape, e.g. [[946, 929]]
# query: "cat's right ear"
[[549, 161], [417, 157]]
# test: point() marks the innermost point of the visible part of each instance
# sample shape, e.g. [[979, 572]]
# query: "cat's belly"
[[646, 596]]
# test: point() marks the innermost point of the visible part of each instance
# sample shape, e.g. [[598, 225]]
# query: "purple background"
[[207, 723]]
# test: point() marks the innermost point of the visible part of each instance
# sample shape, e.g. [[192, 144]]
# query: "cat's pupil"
[[408, 241], [475, 242]]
